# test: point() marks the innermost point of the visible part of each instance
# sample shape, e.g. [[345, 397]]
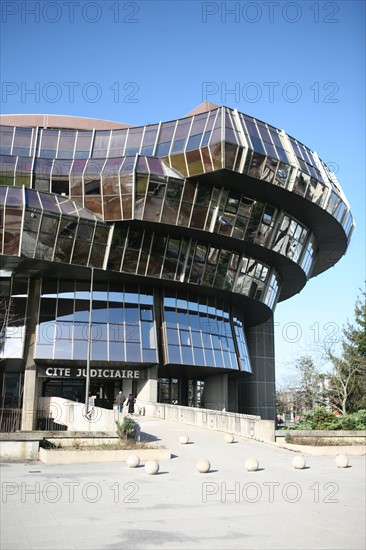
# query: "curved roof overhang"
[[332, 240]]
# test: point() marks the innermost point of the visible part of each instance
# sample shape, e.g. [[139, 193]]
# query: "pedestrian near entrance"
[[120, 399], [131, 404]]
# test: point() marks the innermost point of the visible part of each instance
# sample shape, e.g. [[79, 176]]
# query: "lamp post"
[[87, 381]]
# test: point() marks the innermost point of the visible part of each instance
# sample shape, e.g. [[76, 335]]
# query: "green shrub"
[[318, 419], [360, 419], [322, 419], [288, 438], [303, 426], [353, 421], [126, 428]]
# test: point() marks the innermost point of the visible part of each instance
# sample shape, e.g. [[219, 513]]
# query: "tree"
[[347, 390], [308, 375], [344, 389], [359, 332], [304, 390], [359, 339]]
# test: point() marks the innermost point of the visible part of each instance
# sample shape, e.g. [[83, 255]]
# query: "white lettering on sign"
[[61, 372]]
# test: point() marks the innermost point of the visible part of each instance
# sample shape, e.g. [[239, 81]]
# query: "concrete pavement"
[[110, 506]]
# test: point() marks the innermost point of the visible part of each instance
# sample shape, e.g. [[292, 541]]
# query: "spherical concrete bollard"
[[251, 464], [203, 465], [152, 467], [299, 462], [183, 439], [229, 438], [341, 461], [133, 461]]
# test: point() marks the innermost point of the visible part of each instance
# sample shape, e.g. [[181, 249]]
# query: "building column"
[[147, 390], [216, 395], [257, 392], [232, 395], [30, 391], [183, 391]]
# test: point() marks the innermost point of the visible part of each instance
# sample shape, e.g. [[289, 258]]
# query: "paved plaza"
[[110, 506]]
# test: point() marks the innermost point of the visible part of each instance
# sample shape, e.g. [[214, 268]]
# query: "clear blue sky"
[[297, 65]]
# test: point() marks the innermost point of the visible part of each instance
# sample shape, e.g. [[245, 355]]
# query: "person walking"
[[131, 404], [120, 399]]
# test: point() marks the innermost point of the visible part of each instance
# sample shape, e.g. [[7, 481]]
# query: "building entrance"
[[103, 391]]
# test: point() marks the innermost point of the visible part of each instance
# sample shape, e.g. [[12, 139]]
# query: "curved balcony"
[[205, 201]]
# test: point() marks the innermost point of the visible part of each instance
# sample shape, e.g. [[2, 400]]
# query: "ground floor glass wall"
[[12, 390], [101, 392], [181, 391], [122, 323]]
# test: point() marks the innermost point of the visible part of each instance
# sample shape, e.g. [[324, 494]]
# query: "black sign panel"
[[112, 374]]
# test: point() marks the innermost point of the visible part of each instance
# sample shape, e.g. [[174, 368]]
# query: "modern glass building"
[[156, 255]]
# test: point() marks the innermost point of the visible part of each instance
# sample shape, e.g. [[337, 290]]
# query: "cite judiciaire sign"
[[65, 372]]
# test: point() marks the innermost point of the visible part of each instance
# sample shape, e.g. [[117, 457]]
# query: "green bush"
[[302, 426], [353, 421], [126, 428], [318, 419], [322, 419], [360, 419], [288, 438]]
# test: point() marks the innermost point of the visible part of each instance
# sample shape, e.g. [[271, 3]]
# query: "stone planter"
[[334, 450], [66, 456]]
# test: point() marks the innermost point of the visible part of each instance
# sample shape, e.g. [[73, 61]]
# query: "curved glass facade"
[[123, 325], [194, 145], [162, 250], [197, 333], [46, 226]]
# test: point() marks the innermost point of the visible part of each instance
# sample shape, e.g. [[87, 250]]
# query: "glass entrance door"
[[74, 389], [169, 391]]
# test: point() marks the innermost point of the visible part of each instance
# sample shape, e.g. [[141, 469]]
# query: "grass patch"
[[117, 445], [323, 441], [122, 446]]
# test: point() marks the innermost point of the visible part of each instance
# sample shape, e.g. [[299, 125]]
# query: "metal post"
[[87, 381]]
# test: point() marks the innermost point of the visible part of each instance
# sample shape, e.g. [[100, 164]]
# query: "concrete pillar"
[[233, 395], [183, 389], [216, 392], [257, 392], [127, 387], [147, 390], [30, 391]]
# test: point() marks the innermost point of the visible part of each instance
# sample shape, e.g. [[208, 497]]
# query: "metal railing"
[[47, 423], [10, 420]]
